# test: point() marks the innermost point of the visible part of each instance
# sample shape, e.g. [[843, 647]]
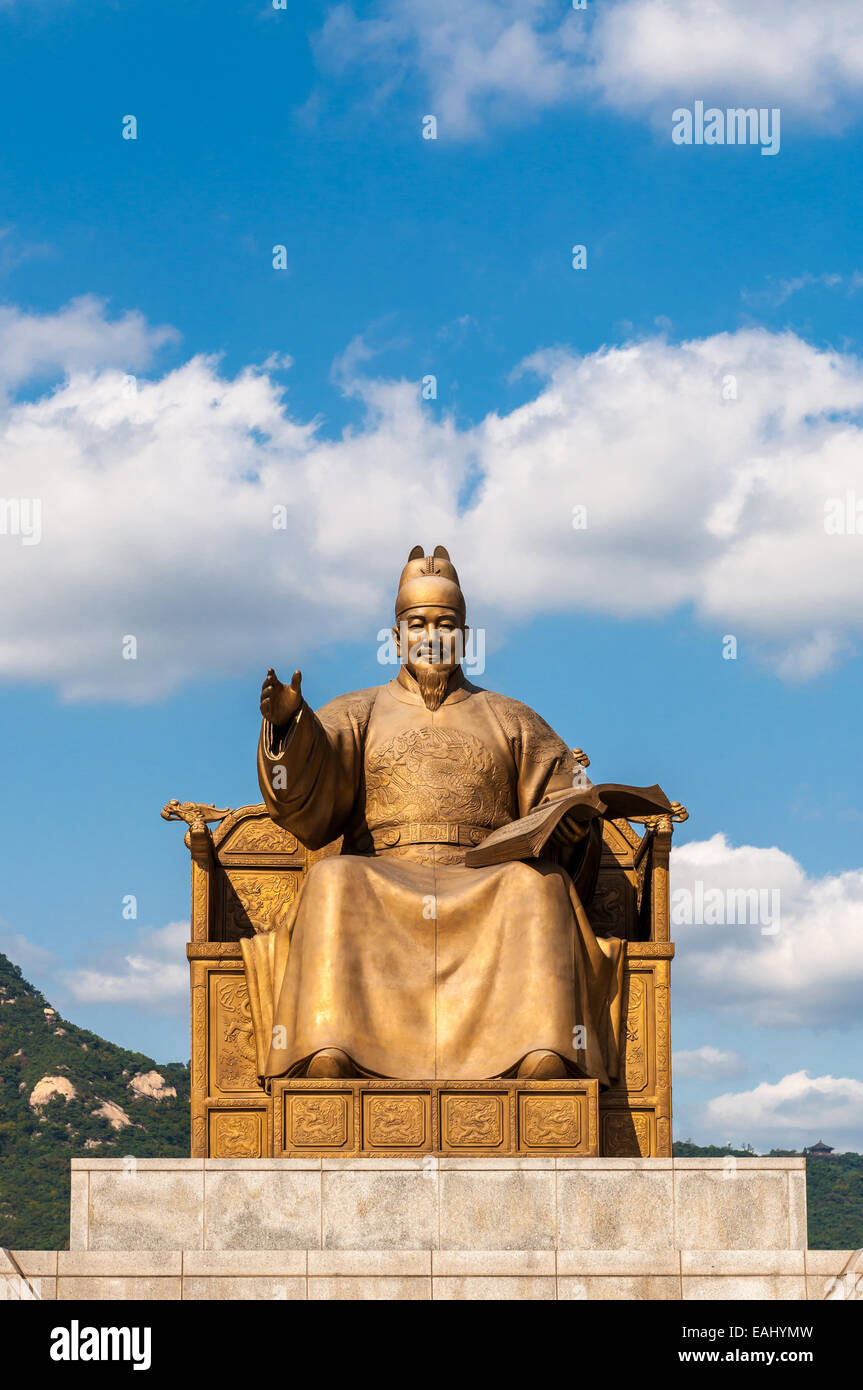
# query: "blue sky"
[[608, 387]]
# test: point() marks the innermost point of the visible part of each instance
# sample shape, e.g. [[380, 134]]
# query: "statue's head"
[[430, 631]]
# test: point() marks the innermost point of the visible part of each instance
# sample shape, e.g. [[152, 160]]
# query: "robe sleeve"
[[542, 758], [310, 771]]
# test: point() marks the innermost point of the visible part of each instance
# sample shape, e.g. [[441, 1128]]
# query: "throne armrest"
[[632, 892], [650, 861], [199, 842]]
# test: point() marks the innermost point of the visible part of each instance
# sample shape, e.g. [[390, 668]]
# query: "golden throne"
[[246, 873]]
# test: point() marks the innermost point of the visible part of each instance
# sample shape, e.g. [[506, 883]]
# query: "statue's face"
[[435, 639]]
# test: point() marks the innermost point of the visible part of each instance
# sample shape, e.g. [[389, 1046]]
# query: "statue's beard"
[[432, 681]]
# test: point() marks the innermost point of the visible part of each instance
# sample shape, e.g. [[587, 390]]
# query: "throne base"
[[485, 1119]]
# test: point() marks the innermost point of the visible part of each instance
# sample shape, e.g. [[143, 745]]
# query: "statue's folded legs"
[[540, 1065]]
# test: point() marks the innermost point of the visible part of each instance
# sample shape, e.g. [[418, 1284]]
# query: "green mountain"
[[67, 1093], [834, 1196]]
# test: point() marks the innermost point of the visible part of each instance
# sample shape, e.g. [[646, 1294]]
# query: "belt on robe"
[[429, 833]]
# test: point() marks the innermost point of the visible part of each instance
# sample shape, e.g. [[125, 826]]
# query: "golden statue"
[[396, 959]]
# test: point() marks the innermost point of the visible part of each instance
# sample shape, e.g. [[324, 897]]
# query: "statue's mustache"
[[434, 652]]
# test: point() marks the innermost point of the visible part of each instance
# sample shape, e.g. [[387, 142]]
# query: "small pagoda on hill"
[[819, 1150]]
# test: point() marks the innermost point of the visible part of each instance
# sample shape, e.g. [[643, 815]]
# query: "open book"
[[525, 838]]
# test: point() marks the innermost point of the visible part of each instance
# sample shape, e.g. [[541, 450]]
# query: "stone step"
[[688, 1275]]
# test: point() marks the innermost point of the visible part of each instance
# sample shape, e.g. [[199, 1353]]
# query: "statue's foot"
[[541, 1066], [330, 1062]]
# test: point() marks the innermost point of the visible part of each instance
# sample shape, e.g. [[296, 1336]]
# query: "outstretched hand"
[[279, 703]]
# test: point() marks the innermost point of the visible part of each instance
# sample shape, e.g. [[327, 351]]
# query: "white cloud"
[[79, 338], [154, 976], [807, 973], [791, 1113], [775, 295], [811, 656], [708, 1064], [485, 62], [157, 505], [503, 56], [790, 53], [27, 955], [14, 251]]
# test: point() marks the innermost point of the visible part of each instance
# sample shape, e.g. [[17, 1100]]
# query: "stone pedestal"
[[429, 1203], [451, 1228]]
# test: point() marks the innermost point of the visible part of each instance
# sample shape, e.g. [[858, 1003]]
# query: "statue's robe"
[[413, 964]]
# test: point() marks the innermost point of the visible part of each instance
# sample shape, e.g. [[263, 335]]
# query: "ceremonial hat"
[[429, 581]]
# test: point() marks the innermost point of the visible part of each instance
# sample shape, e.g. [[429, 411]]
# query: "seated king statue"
[[396, 959]]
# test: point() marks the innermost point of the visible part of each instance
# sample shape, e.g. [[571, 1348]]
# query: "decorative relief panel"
[[376, 1116], [636, 1033], [320, 1121], [232, 1035], [259, 836], [200, 903], [549, 1122], [237, 1134], [257, 901], [663, 1035], [626, 1134], [470, 1122], [395, 1121], [663, 1137], [660, 922], [199, 1033], [620, 839], [199, 1137]]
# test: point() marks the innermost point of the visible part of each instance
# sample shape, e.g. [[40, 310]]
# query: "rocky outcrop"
[[48, 1088], [152, 1085], [113, 1113]]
